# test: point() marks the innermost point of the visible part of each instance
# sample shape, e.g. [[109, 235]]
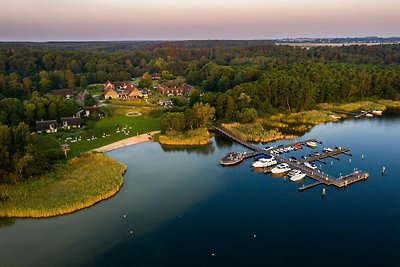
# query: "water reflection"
[[204, 150], [4, 222], [179, 203]]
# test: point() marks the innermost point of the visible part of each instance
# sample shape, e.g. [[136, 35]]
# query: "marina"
[[304, 165]]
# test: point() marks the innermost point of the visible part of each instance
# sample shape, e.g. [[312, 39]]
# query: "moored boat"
[[297, 147], [377, 112], [310, 165], [280, 168], [264, 162], [328, 150], [296, 175], [311, 144]]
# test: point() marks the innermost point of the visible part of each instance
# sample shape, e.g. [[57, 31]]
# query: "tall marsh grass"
[[195, 137], [80, 183]]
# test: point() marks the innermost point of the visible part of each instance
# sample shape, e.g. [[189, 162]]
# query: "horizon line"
[[205, 39]]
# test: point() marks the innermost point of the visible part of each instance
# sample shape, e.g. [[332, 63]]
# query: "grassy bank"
[[82, 182], [279, 126], [115, 128], [196, 137], [353, 107]]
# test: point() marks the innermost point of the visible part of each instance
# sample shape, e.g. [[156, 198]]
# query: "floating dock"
[[317, 175]]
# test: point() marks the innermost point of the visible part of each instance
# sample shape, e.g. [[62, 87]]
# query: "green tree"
[[191, 119], [145, 81], [204, 113], [172, 121], [248, 115]]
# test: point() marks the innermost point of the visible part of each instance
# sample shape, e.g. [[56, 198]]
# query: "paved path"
[[127, 142]]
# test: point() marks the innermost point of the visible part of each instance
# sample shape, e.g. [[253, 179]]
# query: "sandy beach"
[[127, 142]]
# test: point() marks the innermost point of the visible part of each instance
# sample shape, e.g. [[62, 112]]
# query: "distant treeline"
[[27, 67]]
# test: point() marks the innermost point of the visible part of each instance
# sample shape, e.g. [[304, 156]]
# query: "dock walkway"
[[317, 175]]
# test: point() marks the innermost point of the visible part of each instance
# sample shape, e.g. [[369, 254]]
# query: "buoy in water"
[[254, 236], [323, 191], [124, 215], [383, 170]]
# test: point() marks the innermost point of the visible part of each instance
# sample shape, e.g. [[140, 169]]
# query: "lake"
[[178, 207]]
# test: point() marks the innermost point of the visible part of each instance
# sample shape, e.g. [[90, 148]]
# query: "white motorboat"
[[310, 165], [377, 112], [328, 150], [264, 162], [311, 144], [369, 115], [296, 175], [280, 168]]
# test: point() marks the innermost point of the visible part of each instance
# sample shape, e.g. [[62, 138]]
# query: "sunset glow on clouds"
[[42, 20]]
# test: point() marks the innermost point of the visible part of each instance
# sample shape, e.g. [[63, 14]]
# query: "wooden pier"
[[317, 175], [326, 155]]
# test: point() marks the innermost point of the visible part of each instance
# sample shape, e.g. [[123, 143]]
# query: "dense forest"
[[236, 80], [25, 68]]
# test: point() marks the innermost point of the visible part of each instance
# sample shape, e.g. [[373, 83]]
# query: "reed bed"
[[195, 137], [79, 184]]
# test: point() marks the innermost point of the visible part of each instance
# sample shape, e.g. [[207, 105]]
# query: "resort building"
[[70, 122], [49, 126], [176, 88], [67, 93], [121, 90]]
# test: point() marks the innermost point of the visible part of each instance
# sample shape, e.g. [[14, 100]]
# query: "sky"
[[92, 20]]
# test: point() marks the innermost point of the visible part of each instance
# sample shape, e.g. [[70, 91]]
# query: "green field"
[[107, 126]]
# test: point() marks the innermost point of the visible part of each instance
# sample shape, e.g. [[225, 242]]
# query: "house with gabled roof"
[[67, 93], [49, 126], [121, 90], [70, 122], [172, 88]]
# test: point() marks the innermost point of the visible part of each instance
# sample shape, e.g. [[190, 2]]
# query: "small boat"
[[369, 115], [328, 150], [280, 168], [377, 112], [310, 165], [262, 156], [311, 144], [264, 162], [333, 116], [268, 147], [297, 147], [296, 175]]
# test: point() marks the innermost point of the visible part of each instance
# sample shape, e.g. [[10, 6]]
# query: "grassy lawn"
[[108, 127], [134, 102], [76, 185]]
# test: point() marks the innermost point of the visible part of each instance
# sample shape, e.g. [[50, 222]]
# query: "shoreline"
[[74, 191], [126, 142]]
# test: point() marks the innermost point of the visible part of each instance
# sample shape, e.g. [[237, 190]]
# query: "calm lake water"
[[178, 207]]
